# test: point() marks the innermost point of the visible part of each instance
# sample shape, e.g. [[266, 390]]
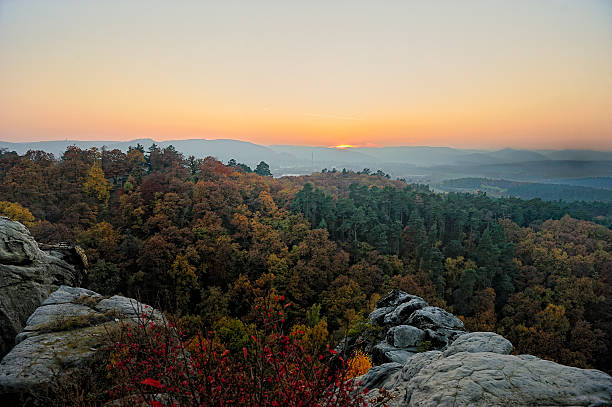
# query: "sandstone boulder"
[[378, 315], [405, 336], [480, 342], [62, 334], [492, 379], [27, 276], [395, 298], [434, 318], [376, 376], [465, 369], [401, 325], [403, 311], [385, 353], [487, 379]]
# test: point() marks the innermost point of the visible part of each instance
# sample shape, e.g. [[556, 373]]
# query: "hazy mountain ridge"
[[415, 163], [417, 155], [593, 182]]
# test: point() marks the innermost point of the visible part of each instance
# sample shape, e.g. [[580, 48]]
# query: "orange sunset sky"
[[489, 74]]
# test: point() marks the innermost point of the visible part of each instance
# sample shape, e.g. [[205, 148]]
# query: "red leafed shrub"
[[155, 364]]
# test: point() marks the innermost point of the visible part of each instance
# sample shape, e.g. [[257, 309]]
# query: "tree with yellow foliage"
[[96, 186], [16, 212]]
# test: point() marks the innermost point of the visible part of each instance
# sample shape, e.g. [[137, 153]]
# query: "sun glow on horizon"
[[360, 145]]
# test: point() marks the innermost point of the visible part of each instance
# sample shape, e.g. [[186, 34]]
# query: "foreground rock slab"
[[487, 379], [464, 375], [64, 333]]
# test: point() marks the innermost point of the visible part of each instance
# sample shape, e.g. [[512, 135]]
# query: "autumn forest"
[[203, 240]]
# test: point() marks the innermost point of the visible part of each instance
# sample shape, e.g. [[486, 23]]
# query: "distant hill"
[[594, 182], [577, 155], [538, 171], [324, 155], [400, 161], [526, 190], [432, 156]]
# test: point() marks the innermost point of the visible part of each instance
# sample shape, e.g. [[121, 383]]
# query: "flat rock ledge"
[[65, 332]]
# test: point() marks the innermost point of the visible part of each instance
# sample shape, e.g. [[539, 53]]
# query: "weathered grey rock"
[[434, 318], [17, 246], [47, 314], [480, 342], [62, 335], [417, 362], [129, 308], [66, 294], [468, 369], [403, 311], [395, 298], [491, 379], [31, 364], [405, 336], [378, 315], [440, 338], [405, 322], [385, 353], [396, 383], [377, 375], [27, 276]]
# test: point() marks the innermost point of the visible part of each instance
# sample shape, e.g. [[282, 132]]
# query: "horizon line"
[[351, 147]]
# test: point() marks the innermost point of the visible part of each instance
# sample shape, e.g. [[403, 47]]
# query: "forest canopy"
[[204, 240]]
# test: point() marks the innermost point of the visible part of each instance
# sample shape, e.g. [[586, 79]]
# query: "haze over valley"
[[582, 172]]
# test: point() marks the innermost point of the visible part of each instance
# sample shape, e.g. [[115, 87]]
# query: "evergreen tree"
[[263, 169]]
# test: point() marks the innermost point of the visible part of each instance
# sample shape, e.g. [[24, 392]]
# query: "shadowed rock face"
[[27, 276]]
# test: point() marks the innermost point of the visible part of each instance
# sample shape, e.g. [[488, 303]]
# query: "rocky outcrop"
[[28, 275], [466, 369], [402, 325], [64, 333], [465, 376]]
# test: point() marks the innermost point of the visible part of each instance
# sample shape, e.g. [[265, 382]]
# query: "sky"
[[467, 74]]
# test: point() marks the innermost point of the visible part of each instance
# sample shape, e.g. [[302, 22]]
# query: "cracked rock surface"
[[476, 370], [480, 342]]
